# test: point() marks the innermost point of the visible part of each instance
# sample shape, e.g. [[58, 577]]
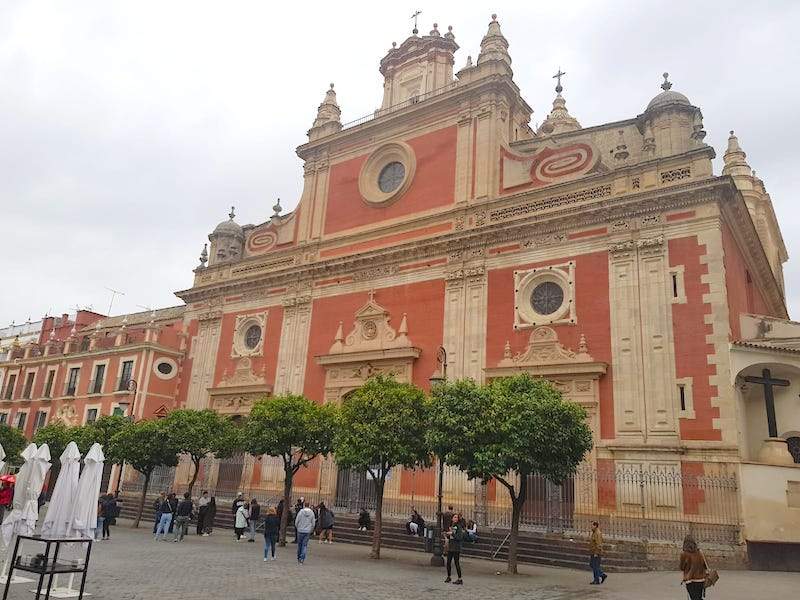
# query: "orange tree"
[[514, 427], [381, 426]]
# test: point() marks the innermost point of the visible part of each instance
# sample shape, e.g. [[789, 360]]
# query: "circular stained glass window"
[[547, 298], [252, 336], [391, 177], [164, 368]]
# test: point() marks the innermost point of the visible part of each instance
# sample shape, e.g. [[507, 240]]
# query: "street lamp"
[[439, 377], [132, 386]]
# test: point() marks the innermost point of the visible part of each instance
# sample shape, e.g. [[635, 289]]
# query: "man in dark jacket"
[[252, 521], [183, 515], [173, 502], [162, 497]]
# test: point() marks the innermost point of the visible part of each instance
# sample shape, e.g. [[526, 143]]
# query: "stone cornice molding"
[[465, 244], [124, 349]]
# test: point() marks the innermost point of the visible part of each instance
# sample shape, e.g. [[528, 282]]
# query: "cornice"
[[735, 213], [72, 356], [472, 243]]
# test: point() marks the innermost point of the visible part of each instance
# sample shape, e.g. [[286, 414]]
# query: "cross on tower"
[[768, 382], [558, 76], [414, 16]]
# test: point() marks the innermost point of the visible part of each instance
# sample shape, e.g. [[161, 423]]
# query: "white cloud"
[[129, 128]]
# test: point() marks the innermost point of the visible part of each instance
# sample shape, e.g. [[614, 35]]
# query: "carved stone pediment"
[[371, 331], [243, 375], [546, 356]]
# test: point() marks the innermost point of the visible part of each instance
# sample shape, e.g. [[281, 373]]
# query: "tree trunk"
[[287, 492], [376, 535], [516, 511], [196, 463], [141, 500]]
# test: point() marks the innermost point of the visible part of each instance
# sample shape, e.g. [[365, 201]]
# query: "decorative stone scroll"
[[371, 331]]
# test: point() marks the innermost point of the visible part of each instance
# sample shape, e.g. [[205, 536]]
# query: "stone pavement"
[[133, 566]]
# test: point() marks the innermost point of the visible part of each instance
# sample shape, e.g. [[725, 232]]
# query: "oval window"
[[164, 368], [391, 177], [547, 297], [252, 336]]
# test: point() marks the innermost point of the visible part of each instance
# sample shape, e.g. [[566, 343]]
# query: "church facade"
[[443, 236]]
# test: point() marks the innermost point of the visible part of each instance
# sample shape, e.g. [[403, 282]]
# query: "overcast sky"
[[128, 129]]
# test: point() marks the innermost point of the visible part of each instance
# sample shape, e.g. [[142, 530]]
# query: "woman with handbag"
[[695, 570]]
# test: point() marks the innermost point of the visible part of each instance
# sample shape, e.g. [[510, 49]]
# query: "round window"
[[252, 336], [547, 297], [391, 177], [164, 368]]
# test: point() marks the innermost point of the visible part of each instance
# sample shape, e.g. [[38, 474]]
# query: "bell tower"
[[418, 66]]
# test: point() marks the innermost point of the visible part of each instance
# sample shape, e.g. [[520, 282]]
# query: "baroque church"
[[443, 236]]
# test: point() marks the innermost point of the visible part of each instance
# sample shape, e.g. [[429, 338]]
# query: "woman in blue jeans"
[[272, 525]]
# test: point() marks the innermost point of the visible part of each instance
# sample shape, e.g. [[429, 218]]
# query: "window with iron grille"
[[12, 380], [26, 391], [91, 415], [48, 384], [72, 381], [21, 418], [125, 377], [99, 376]]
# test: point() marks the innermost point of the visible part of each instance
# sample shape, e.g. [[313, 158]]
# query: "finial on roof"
[[558, 77], [232, 213], [328, 111], [469, 61], [204, 256], [449, 35], [394, 45], [416, 14], [666, 85], [435, 31], [735, 158], [276, 209], [494, 45]]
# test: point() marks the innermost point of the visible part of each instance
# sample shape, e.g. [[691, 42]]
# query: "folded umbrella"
[[59, 512], [8, 529], [83, 521]]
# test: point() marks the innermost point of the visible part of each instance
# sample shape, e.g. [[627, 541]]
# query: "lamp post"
[[132, 387], [439, 376]]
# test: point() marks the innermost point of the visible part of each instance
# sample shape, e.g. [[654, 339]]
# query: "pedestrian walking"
[[447, 518], [253, 519], [240, 521], [110, 512], [298, 506], [101, 517], [595, 554], [165, 520], [326, 521], [694, 567], [173, 502], [211, 514], [237, 503], [202, 511], [455, 537], [157, 510], [183, 515], [304, 526], [272, 525]]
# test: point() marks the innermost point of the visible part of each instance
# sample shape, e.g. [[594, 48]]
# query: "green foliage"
[[56, 435], [101, 431], [450, 403], [144, 446], [201, 432], [382, 425], [291, 427], [13, 442]]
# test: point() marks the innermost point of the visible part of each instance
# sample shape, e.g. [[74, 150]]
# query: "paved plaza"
[[133, 566]]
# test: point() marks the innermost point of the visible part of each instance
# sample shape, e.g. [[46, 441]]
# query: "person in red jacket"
[[6, 498]]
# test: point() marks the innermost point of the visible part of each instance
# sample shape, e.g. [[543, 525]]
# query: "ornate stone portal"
[[575, 374], [372, 347], [238, 391]]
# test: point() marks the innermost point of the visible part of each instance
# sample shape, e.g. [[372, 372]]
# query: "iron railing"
[[380, 112], [632, 502]]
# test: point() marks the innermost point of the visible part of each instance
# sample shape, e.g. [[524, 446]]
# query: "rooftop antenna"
[[147, 308], [416, 14], [114, 294]]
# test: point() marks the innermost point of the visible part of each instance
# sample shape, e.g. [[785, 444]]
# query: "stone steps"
[[532, 548]]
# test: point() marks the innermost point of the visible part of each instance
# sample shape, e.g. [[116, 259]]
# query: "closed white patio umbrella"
[[20, 494], [2, 458], [84, 515], [59, 513]]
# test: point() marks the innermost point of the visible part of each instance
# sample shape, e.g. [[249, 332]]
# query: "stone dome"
[[229, 227], [668, 96]]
